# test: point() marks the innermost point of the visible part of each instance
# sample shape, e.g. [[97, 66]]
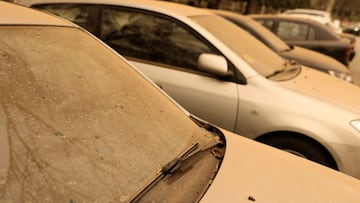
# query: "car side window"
[[78, 14], [295, 31], [311, 34], [267, 23], [151, 37]]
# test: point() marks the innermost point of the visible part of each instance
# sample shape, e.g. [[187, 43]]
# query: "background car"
[[298, 54], [310, 34], [230, 78], [321, 16], [79, 124], [353, 29]]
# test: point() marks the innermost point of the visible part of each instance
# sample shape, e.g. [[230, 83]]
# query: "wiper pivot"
[[175, 164]]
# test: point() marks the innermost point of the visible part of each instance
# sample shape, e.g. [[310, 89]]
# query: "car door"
[[166, 50]]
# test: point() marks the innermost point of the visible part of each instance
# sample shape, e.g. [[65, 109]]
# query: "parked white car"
[[79, 124], [240, 85]]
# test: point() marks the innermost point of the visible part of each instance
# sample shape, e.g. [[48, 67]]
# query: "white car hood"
[[253, 172], [326, 88]]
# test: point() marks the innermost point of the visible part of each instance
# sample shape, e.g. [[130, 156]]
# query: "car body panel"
[[28, 17], [341, 98], [261, 188], [193, 97]]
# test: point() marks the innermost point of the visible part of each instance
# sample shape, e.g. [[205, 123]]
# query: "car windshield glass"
[[77, 122], [255, 53]]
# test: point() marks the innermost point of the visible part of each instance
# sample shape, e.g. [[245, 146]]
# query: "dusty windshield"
[[77, 124], [256, 54]]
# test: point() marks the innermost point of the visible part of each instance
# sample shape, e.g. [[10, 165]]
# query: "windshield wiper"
[[189, 157], [277, 72], [293, 66]]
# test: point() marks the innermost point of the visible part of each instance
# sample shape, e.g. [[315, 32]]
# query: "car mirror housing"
[[214, 64], [356, 124]]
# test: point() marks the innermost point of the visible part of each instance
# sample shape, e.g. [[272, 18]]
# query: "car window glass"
[[292, 31], [261, 33], [267, 23], [311, 34], [79, 120], [151, 37], [78, 14]]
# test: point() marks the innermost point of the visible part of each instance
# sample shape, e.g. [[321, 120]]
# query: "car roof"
[[308, 11], [232, 13], [284, 17], [12, 14], [168, 8]]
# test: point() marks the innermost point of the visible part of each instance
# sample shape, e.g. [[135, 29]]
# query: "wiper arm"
[[184, 161], [175, 164], [293, 64], [189, 157], [275, 73], [169, 168]]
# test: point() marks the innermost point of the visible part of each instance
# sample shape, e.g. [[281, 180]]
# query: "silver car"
[[225, 76]]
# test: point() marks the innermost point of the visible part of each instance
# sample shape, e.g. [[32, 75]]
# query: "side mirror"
[[214, 64]]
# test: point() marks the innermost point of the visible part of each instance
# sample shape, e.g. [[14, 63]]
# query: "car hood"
[[314, 59], [325, 88], [253, 172]]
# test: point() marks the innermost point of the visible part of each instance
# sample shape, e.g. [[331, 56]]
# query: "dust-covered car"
[[228, 78], [310, 34], [298, 54], [79, 124]]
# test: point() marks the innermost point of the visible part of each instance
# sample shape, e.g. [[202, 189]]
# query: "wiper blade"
[[169, 168], [184, 161], [189, 157]]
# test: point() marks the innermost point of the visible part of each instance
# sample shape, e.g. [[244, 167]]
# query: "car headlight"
[[356, 124], [341, 75]]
